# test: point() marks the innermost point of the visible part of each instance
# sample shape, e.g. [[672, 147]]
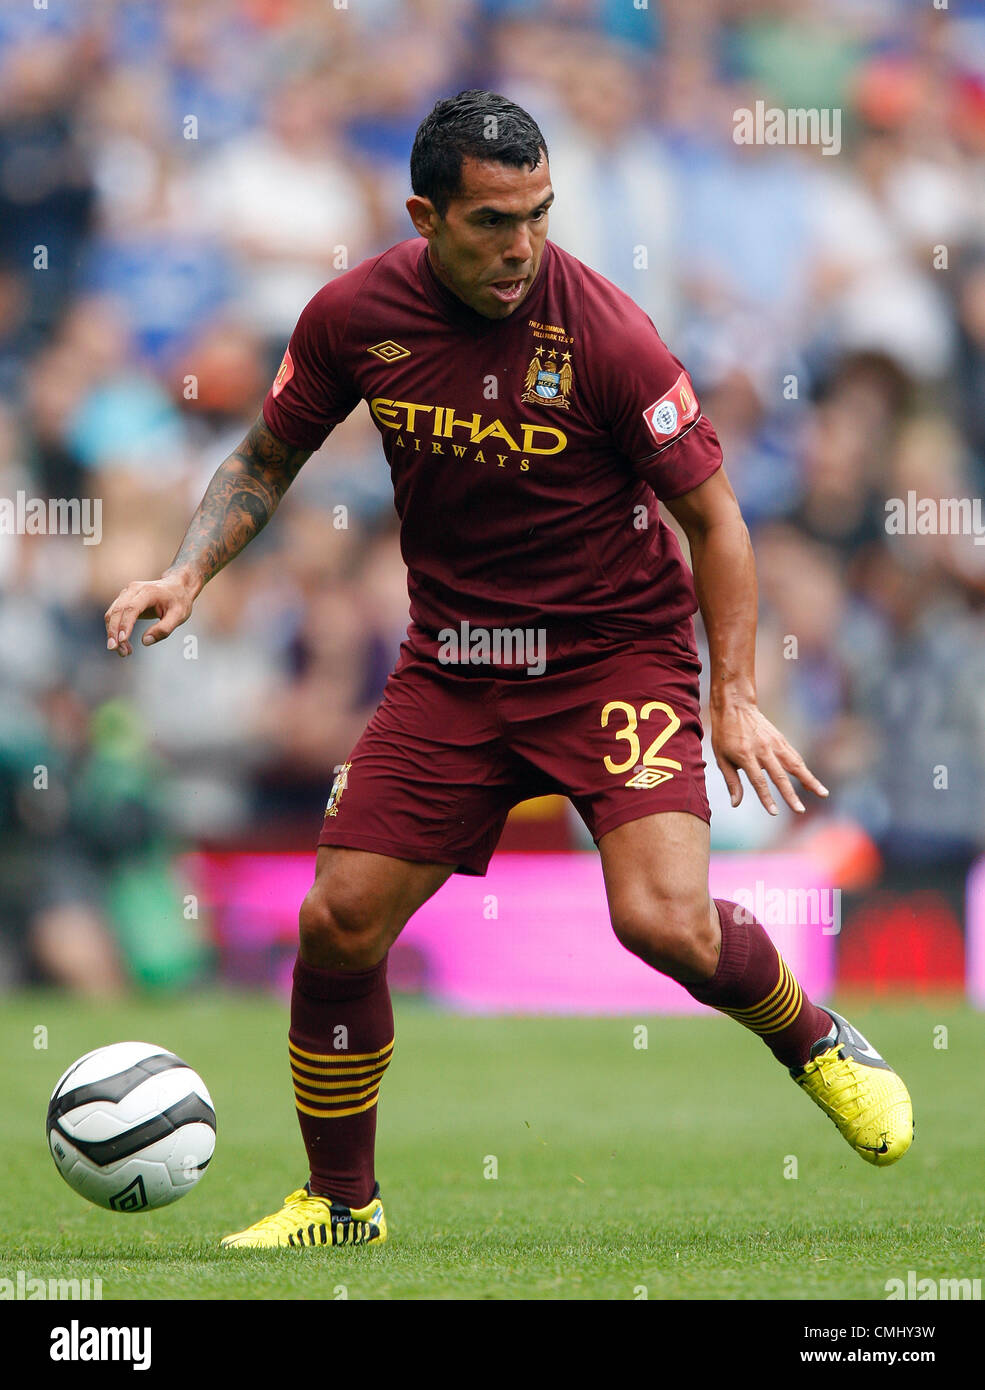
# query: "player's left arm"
[[725, 579]]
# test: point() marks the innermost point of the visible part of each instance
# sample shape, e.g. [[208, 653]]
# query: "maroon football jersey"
[[526, 452]]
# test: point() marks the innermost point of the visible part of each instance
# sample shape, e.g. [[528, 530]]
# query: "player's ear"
[[423, 214]]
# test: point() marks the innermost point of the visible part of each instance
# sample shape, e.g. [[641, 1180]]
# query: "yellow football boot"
[[307, 1219], [860, 1092]]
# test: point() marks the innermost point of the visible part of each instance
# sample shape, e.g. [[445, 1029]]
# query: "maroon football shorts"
[[449, 751]]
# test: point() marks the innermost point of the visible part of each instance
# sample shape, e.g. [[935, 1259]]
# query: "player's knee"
[[674, 935], [340, 933]]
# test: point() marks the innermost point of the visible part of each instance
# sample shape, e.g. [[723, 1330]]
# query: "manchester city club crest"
[[338, 787], [546, 382]]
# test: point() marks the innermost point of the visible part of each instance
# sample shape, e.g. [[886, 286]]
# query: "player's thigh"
[[360, 902], [619, 733], [654, 861], [656, 882], [429, 780]]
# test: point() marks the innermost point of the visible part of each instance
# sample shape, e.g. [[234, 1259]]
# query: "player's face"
[[488, 246]]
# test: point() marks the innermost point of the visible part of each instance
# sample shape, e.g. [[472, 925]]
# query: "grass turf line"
[[619, 1169]]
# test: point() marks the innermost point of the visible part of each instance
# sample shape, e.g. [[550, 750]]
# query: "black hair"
[[473, 124]]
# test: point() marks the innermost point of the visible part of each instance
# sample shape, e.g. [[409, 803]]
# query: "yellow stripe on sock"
[[764, 1004], [790, 1014], [309, 1072], [363, 1078], [753, 1017], [777, 1011], [360, 1094], [335, 1114], [340, 1056]]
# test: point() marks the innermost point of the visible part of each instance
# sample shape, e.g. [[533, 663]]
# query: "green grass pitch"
[[622, 1172]]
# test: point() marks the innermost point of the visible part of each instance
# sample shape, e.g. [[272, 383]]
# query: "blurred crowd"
[[177, 177]]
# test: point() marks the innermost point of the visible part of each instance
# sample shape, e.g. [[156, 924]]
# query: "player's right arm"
[[239, 501]]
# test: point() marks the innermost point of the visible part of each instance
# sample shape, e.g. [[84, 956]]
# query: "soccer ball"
[[131, 1126]]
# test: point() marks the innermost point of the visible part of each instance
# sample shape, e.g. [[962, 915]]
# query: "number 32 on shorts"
[[651, 769]]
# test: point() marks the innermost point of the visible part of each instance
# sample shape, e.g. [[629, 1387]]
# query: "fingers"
[[794, 763], [142, 601], [171, 618], [777, 764], [745, 759], [784, 759], [783, 785], [731, 776], [760, 784], [122, 614]]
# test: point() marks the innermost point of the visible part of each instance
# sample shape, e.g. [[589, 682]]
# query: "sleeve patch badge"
[[668, 416], [284, 373]]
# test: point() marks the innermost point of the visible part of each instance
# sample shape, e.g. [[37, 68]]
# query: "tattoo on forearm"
[[239, 501]]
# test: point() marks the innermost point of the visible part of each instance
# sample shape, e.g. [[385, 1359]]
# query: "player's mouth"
[[508, 291]]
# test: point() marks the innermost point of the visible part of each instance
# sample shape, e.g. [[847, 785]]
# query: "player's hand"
[[169, 600], [743, 738]]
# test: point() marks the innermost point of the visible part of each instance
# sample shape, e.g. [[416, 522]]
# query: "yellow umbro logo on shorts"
[[389, 351], [648, 777]]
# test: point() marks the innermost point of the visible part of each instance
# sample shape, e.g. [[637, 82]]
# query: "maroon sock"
[[753, 985], [341, 1040]]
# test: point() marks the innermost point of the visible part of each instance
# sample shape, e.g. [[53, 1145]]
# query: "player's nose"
[[519, 248]]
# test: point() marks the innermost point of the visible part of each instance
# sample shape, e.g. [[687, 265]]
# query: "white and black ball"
[[131, 1127]]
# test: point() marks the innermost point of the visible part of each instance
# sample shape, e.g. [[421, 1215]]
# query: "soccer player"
[[531, 417]]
